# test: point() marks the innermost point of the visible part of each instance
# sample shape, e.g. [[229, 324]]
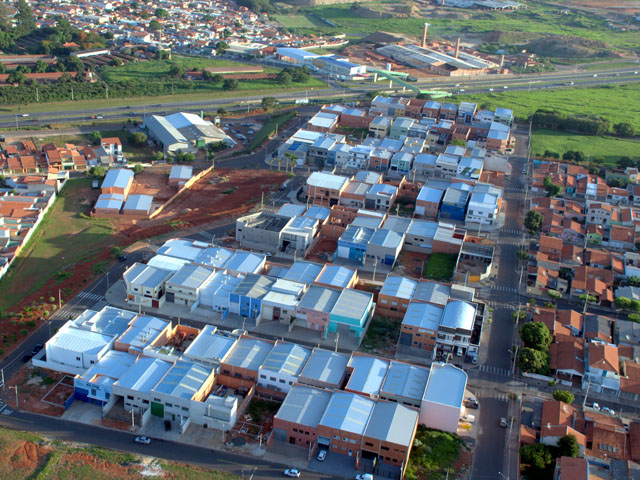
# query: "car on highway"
[[595, 75], [505, 87], [635, 73], [99, 116], [364, 476], [491, 89], [37, 347], [24, 115], [292, 472], [322, 454], [142, 440]]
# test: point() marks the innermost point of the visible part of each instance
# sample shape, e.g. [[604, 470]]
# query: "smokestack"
[[457, 47], [424, 35]]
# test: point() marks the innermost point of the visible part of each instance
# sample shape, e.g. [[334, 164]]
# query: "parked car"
[[322, 454], [37, 348], [607, 410], [503, 422], [122, 258], [595, 406], [471, 403], [142, 440], [364, 476], [292, 472]]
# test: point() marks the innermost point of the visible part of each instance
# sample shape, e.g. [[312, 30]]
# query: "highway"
[[463, 84]]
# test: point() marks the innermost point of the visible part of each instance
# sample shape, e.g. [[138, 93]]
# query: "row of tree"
[[534, 355], [553, 120]]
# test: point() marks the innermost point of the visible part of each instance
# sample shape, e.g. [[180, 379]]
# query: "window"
[[185, 409], [264, 377], [383, 301], [282, 380], [157, 400], [78, 359], [145, 402], [129, 397], [336, 437], [273, 379], [170, 405], [368, 444], [384, 448]]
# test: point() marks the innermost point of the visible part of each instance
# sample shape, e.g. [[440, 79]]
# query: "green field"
[[611, 66], [543, 19], [62, 239], [610, 148], [619, 103], [155, 69]]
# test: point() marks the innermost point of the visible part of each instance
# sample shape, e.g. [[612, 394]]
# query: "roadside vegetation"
[[66, 236], [269, 127], [32, 456], [434, 454]]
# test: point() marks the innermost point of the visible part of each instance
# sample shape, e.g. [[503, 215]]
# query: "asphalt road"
[[468, 84], [240, 465]]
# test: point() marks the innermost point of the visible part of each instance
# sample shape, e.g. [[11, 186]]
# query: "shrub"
[[24, 332], [563, 396]]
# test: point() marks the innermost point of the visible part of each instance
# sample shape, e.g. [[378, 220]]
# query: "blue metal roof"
[[138, 202], [458, 315], [183, 380], [118, 178], [305, 272], [336, 276], [111, 201], [368, 374], [400, 287], [431, 195], [347, 412], [423, 315], [446, 385], [386, 239], [356, 235]]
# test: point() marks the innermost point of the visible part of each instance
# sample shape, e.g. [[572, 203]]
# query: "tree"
[[533, 221], [269, 103], [459, 142], [634, 281], [176, 70], [623, 303], [158, 156], [568, 446], [563, 396], [423, 96], [26, 22], [40, 67], [137, 168], [213, 77], [96, 171], [221, 111], [532, 361], [161, 13], [221, 47], [624, 162], [550, 154], [16, 77], [284, 78], [535, 335], [230, 84], [138, 138], [623, 129], [551, 188], [95, 137], [536, 456], [155, 25], [292, 161]]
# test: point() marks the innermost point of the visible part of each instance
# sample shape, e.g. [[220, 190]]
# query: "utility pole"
[[15, 387], [337, 338], [59, 299], [72, 93], [37, 96], [133, 419]]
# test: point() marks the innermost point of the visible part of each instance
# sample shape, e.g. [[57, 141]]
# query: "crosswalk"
[[495, 370], [513, 231], [504, 288], [66, 313], [90, 296], [514, 189], [4, 409], [499, 304]]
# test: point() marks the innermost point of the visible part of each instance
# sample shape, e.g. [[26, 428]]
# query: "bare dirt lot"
[[155, 183]]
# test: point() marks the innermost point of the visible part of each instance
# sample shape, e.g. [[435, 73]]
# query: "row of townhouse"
[[25, 158], [197, 275], [355, 405], [473, 202]]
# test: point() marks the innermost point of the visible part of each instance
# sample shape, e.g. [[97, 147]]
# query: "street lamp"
[[15, 387]]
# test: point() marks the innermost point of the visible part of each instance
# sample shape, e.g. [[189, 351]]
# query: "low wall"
[[188, 184]]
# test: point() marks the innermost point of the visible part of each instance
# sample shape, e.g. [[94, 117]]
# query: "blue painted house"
[[352, 244], [454, 202], [246, 298]]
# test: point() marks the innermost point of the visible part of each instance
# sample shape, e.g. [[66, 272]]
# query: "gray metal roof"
[[393, 423], [214, 256], [191, 276], [431, 195], [387, 239], [347, 412], [144, 375], [400, 287], [249, 353], [423, 315], [326, 180], [458, 315], [287, 358], [445, 385], [336, 276], [145, 275], [357, 235], [405, 380], [163, 130], [139, 202], [352, 304], [118, 178], [254, 286], [245, 262], [325, 366], [397, 224], [291, 210], [183, 380], [181, 172], [209, 345], [368, 374], [304, 406], [305, 272], [432, 292], [320, 299], [110, 201]]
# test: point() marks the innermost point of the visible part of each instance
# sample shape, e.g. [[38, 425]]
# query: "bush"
[[138, 138], [137, 168], [563, 396], [24, 332]]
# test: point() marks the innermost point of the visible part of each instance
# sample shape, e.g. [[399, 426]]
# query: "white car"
[[607, 410], [322, 455], [595, 75], [503, 422], [491, 89], [505, 87], [142, 440], [292, 472], [24, 115]]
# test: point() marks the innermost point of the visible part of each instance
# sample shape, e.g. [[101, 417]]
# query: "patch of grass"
[[62, 239], [184, 472], [610, 66], [440, 266], [606, 101], [433, 452], [268, 128], [100, 267], [610, 148], [259, 408], [382, 332], [541, 19]]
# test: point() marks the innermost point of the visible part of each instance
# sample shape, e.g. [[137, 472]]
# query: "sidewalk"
[[275, 330]]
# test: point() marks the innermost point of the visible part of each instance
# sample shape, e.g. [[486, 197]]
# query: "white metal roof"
[[446, 385], [304, 406]]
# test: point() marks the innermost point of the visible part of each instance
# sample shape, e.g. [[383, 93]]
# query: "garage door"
[[157, 409], [324, 442]]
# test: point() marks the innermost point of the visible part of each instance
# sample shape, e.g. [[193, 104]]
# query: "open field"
[[269, 127], [63, 239], [536, 19], [619, 103], [609, 148], [611, 66], [156, 69], [31, 456]]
